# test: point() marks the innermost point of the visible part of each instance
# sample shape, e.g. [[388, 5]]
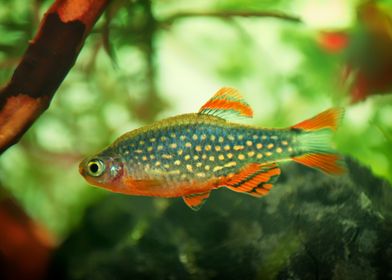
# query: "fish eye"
[[95, 167]]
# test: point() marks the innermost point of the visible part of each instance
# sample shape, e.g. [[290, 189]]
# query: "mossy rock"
[[310, 226]]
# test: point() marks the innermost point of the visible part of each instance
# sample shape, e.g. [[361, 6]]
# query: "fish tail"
[[328, 119], [314, 142]]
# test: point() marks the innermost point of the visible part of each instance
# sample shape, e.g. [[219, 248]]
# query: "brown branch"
[[231, 14], [25, 244], [44, 65]]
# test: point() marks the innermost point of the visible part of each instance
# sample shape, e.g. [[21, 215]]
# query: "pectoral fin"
[[196, 201]]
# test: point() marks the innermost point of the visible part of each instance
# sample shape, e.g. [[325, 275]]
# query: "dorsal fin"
[[255, 179], [227, 102]]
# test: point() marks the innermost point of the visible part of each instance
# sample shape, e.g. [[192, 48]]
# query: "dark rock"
[[310, 226]]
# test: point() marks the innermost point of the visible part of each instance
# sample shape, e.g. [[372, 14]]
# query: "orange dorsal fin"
[[195, 201], [227, 102], [327, 119], [255, 179], [329, 163]]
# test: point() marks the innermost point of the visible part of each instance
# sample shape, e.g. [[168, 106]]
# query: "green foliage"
[[137, 67]]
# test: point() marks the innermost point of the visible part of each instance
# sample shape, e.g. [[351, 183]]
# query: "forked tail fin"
[[327, 119], [314, 148]]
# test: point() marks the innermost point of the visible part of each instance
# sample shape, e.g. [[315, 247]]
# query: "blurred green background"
[[143, 62]]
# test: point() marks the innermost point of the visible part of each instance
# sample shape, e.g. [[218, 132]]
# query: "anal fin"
[[195, 201], [255, 179]]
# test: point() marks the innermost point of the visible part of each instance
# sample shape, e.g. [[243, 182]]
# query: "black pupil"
[[94, 168]]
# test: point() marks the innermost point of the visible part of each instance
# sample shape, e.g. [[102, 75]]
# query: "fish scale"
[[230, 147], [189, 155]]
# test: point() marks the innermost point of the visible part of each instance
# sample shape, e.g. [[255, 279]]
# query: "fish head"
[[102, 171]]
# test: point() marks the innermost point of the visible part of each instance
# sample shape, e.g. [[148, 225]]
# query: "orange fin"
[[254, 179], [142, 183], [197, 200], [327, 119], [329, 163], [146, 187], [227, 102]]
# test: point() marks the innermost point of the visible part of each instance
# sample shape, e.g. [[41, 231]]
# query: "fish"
[[192, 154]]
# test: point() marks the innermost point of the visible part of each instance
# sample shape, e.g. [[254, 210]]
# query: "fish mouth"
[[82, 171]]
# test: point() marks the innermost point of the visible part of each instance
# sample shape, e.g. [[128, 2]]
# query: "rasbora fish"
[[190, 155]]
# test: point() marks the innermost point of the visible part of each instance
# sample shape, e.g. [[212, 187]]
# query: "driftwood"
[[44, 65]]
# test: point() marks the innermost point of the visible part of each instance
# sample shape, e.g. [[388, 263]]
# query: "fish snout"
[[82, 168]]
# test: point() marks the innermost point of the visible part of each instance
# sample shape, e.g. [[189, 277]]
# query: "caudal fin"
[[329, 163], [327, 119], [314, 148]]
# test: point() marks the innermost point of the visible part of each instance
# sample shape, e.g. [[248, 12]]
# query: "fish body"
[[190, 155]]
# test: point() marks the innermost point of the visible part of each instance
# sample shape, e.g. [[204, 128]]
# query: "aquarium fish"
[[189, 155]]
